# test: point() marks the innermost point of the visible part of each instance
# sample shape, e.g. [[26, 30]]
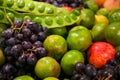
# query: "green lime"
[[24, 77], [87, 17], [2, 57], [51, 78], [98, 31], [56, 46], [114, 15], [112, 33], [58, 31], [103, 11], [47, 67], [92, 5], [69, 60], [79, 38]]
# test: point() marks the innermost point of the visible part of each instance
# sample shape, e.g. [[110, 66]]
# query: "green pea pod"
[[50, 21], [37, 8]]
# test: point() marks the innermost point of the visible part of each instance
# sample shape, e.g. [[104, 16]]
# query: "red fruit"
[[100, 53], [68, 8]]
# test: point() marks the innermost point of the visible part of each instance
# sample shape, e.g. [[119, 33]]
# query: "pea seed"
[[31, 6], [10, 3], [49, 10], [76, 12], [20, 3], [67, 19], [48, 21], [37, 20], [59, 20], [73, 16], [41, 8], [27, 18]]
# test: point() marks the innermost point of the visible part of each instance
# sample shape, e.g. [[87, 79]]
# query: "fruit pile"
[[59, 40]]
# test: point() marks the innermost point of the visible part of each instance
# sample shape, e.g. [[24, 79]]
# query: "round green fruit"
[[51, 78], [112, 33], [23, 77], [69, 60], [56, 46], [47, 67], [79, 38]]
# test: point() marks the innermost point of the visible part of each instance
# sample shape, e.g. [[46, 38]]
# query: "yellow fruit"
[[51, 78], [101, 18], [47, 67], [23, 77], [2, 57]]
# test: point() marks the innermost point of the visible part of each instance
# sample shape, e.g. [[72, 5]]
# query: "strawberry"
[[68, 8], [100, 53]]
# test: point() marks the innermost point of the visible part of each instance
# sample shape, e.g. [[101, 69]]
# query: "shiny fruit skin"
[[69, 60], [100, 53], [79, 38], [47, 67], [56, 46], [112, 33], [23, 77]]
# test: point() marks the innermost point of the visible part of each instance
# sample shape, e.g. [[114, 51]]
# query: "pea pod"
[[50, 21], [37, 8]]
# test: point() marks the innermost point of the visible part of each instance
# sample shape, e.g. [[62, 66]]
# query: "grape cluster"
[[110, 71], [23, 46], [60, 3]]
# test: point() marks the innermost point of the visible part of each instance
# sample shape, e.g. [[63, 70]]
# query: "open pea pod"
[[30, 6], [49, 21]]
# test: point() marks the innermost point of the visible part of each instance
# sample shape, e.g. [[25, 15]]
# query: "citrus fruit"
[[69, 60], [100, 53], [2, 57], [102, 11], [50, 78], [58, 31], [112, 33], [92, 5], [56, 46], [79, 38], [114, 15], [47, 67], [87, 18], [101, 18], [98, 31], [23, 77]]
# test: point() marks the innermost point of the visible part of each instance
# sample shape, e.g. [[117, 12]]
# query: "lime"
[[51, 78], [79, 38], [24, 77], [87, 17], [112, 33], [92, 5], [102, 11], [58, 31], [47, 67], [98, 31], [56, 46], [114, 15], [2, 57], [69, 60]]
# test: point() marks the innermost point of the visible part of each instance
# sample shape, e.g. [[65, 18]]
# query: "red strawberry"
[[100, 53], [68, 8]]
